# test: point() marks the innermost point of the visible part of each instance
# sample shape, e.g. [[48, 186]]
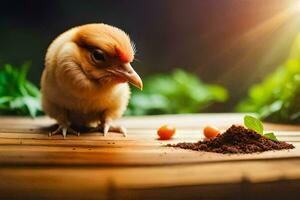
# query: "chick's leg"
[[62, 117]]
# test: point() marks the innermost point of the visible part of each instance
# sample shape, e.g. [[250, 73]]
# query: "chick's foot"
[[64, 130], [107, 127]]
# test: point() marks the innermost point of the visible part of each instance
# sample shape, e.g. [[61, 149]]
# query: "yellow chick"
[[85, 78]]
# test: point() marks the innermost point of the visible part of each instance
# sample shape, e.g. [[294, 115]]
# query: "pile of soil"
[[236, 139]]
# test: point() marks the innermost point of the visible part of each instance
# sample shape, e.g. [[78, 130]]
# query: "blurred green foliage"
[[277, 97], [18, 96], [179, 92]]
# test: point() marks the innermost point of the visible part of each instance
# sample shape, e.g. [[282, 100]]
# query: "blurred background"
[[232, 43]]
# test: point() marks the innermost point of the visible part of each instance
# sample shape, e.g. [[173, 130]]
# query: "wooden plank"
[[108, 142], [133, 134], [93, 183], [138, 167], [21, 144], [122, 155], [182, 121]]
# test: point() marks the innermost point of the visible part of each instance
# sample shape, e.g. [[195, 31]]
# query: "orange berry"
[[211, 132], [166, 132]]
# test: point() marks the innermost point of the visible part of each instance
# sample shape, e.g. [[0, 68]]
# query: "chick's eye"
[[98, 55]]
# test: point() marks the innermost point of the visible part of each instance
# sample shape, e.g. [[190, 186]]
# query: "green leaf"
[[254, 124], [276, 98], [32, 105], [32, 89], [218, 92], [5, 99], [18, 96], [271, 136], [176, 92]]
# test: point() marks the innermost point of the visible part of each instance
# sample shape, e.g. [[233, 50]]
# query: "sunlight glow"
[[288, 18], [296, 6]]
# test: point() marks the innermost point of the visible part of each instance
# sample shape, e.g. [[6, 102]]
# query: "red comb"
[[123, 57]]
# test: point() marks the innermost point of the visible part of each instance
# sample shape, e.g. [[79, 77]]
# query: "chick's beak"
[[127, 72]]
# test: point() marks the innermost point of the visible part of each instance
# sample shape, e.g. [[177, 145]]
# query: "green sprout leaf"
[[254, 124], [257, 126], [271, 136]]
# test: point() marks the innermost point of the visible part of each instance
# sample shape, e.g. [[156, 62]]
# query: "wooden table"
[[35, 166]]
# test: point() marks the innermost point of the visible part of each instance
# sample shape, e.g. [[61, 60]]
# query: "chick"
[[85, 79]]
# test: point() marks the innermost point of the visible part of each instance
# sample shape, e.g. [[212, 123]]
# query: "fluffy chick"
[[85, 78]]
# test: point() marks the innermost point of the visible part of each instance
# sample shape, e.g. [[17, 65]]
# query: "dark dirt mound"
[[236, 139]]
